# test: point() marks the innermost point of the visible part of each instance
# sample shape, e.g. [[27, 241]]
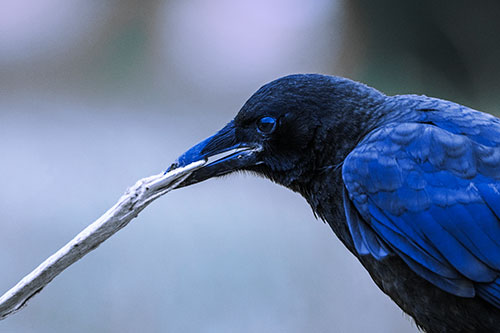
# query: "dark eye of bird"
[[266, 125]]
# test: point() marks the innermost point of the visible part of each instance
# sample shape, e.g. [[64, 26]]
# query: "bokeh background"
[[97, 94]]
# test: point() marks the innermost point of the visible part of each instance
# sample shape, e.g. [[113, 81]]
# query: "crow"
[[410, 185]]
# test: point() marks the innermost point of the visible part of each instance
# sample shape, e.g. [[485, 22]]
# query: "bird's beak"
[[223, 153]]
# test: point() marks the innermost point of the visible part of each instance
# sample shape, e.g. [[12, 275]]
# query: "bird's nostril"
[[173, 166]]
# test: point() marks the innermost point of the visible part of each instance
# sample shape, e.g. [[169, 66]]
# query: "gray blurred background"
[[97, 94]]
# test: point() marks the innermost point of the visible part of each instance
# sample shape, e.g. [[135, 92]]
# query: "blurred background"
[[97, 94]]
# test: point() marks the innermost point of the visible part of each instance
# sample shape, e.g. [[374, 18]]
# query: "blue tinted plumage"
[[409, 184], [433, 196]]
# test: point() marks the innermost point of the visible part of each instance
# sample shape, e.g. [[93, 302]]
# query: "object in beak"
[[223, 155]]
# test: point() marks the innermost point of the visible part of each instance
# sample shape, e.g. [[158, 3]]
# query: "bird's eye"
[[266, 125]]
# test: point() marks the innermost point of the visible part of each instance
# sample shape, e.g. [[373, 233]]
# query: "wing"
[[430, 193]]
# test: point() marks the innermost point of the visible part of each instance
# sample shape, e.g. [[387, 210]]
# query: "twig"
[[128, 207]]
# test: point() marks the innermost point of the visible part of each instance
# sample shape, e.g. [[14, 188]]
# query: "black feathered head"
[[288, 128]]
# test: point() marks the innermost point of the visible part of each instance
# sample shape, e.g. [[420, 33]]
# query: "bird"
[[410, 185]]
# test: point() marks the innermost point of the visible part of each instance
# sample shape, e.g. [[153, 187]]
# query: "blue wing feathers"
[[405, 231], [405, 245], [365, 240], [430, 193], [459, 223], [489, 221], [490, 292], [491, 195], [353, 222], [459, 287], [453, 250]]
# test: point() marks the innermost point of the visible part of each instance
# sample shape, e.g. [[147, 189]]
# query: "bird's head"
[[288, 128]]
